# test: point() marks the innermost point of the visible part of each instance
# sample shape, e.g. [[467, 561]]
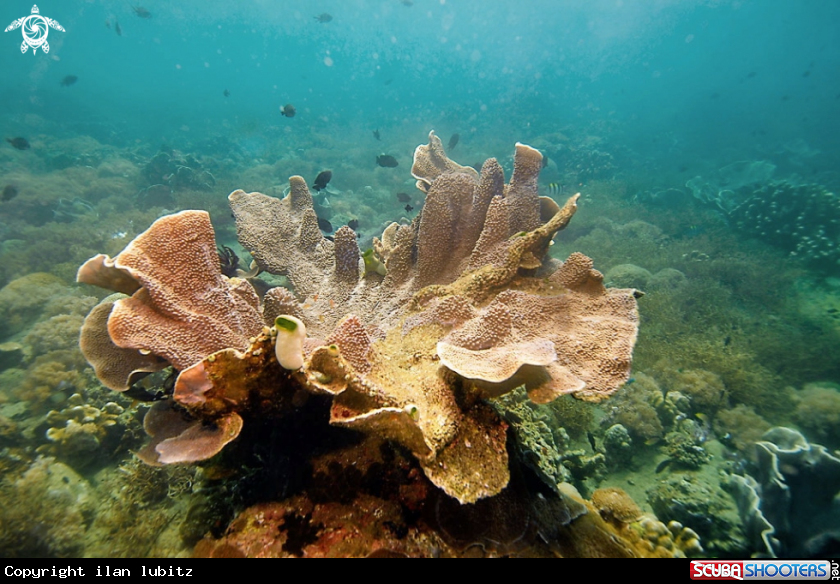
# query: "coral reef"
[[788, 504], [618, 446], [818, 412], [181, 319], [628, 276], [79, 429], [740, 427], [634, 407], [684, 451], [45, 511], [695, 499], [22, 301], [476, 257], [704, 389], [543, 443]]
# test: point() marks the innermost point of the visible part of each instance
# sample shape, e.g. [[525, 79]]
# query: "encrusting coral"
[[79, 428], [469, 307]]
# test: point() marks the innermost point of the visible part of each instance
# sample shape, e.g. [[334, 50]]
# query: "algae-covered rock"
[[695, 499], [45, 512], [628, 276], [818, 412], [22, 301]]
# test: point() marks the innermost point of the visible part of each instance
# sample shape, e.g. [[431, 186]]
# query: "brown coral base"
[[371, 499]]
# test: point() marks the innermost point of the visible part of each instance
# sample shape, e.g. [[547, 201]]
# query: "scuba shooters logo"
[[35, 29], [764, 570]]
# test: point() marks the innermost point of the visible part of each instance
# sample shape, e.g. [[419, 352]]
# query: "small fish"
[[555, 188], [323, 18], [386, 161], [408, 3], [322, 180], [117, 28], [751, 74], [663, 465], [806, 74], [226, 93], [408, 208], [9, 192], [325, 225], [453, 141], [288, 110], [19, 143], [69, 80], [376, 134], [592, 442], [353, 224], [403, 197], [141, 12]]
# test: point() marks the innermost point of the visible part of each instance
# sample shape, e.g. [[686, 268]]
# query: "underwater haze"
[[702, 135]]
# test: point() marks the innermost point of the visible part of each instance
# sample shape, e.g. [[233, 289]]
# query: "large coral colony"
[[411, 341]]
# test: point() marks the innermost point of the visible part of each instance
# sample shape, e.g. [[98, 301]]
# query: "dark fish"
[[408, 3], [323, 17], [592, 442], [453, 141], [288, 110], [353, 224], [69, 80], [376, 134], [408, 208], [9, 192], [117, 28], [403, 197], [544, 160], [386, 161], [325, 225], [555, 188], [226, 93], [19, 143], [663, 465], [141, 12], [806, 74], [322, 180]]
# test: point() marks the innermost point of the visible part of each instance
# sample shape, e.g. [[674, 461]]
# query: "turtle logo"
[[35, 29]]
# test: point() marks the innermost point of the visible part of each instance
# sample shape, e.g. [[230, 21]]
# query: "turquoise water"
[[702, 136]]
